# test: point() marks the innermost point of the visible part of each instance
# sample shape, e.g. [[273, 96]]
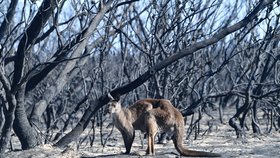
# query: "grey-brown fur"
[[150, 116]]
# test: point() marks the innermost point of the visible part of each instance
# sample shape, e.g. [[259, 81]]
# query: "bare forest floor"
[[221, 139]]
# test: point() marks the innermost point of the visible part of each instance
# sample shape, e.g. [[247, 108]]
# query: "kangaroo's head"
[[114, 105]]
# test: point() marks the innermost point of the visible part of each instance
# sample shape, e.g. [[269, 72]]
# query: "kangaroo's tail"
[[178, 142]]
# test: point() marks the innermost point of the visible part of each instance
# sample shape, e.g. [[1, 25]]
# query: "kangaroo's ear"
[[117, 98], [110, 97]]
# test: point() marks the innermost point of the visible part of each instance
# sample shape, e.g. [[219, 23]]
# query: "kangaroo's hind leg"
[[152, 129]]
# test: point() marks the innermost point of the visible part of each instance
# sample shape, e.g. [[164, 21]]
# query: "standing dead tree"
[[23, 68], [14, 91]]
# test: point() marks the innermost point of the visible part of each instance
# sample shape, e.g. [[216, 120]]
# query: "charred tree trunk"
[[237, 122], [23, 129], [9, 106], [8, 122], [255, 126], [25, 132]]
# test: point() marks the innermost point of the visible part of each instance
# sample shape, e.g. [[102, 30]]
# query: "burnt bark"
[[9, 106], [64, 76], [29, 38], [22, 127], [26, 134]]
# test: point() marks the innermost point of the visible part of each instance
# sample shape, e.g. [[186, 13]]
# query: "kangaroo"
[[151, 116]]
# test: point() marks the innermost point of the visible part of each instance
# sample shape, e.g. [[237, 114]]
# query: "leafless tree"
[[60, 59]]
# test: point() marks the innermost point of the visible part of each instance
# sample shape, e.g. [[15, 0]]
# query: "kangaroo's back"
[[139, 109]]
